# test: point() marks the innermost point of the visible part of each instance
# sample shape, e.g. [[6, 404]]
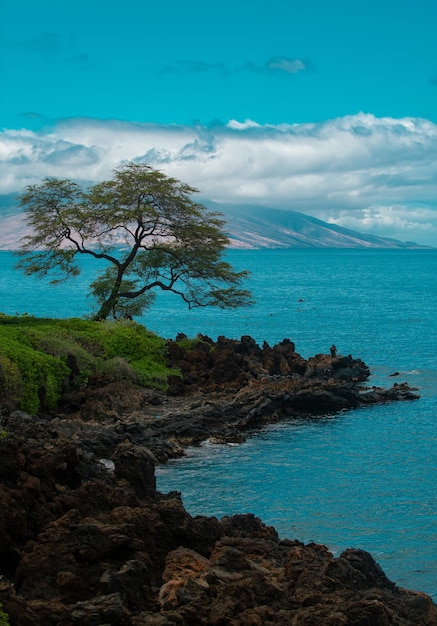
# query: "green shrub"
[[35, 354], [130, 340], [10, 381], [189, 345], [119, 368], [4, 617], [36, 377]]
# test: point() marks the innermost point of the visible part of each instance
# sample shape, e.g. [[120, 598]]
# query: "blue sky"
[[327, 108]]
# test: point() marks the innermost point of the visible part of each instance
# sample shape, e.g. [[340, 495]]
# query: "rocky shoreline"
[[86, 539]]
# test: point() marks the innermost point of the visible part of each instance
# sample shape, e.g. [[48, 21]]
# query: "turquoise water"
[[364, 478]]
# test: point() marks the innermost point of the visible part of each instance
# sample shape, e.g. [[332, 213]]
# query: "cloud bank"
[[372, 174]]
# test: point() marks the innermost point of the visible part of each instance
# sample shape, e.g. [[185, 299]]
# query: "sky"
[[328, 108]]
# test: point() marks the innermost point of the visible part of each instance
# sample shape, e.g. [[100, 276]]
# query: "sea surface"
[[364, 478]]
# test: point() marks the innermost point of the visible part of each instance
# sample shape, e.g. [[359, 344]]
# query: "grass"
[[38, 356]]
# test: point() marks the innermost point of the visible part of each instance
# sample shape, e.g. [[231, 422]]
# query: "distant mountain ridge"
[[248, 227], [254, 227]]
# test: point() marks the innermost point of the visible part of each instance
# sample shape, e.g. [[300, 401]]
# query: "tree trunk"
[[107, 307], [109, 304], [105, 310]]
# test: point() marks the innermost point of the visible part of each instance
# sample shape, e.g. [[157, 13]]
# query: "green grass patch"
[[38, 355], [190, 345]]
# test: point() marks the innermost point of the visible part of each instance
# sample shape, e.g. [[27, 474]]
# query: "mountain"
[[12, 225], [254, 227], [248, 227]]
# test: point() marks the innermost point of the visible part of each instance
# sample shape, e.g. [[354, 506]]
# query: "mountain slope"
[[248, 227], [261, 227]]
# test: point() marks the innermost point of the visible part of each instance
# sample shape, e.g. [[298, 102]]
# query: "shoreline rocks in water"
[[226, 389], [86, 539]]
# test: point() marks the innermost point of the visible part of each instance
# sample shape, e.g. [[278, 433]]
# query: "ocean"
[[363, 478]]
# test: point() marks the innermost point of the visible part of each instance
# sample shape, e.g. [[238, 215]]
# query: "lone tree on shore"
[[144, 229]]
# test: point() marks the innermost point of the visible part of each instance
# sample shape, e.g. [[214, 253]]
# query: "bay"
[[364, 478]]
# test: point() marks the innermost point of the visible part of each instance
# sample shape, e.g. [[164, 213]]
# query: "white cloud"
[[405, 222], [372, 174], [289, 66]]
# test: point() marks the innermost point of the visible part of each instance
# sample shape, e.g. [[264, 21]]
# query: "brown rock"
[[86, 539]]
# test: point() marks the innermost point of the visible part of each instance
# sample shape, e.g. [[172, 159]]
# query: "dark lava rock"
[[85, 538], [82, 545]]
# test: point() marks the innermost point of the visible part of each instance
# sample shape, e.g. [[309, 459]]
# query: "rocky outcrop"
[[232, 364], [226, 389], [88, 541], [85, 538]]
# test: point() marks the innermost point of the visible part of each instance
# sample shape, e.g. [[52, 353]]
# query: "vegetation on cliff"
[[39, 358]]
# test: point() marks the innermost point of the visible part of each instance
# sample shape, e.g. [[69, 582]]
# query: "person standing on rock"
[[333, 350]]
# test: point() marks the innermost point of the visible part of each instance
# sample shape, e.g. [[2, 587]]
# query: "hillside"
[[261, 227], [248, 227]]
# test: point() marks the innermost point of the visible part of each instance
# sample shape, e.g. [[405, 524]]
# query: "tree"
[[145, 230]]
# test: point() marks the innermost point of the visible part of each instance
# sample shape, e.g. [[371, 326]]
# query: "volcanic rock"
[[85, 538]]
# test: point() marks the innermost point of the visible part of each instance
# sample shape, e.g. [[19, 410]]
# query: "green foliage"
[[4, 617], [123, 308], [145, 227], [189, 345], [36, 378], [10, 379], [38, 356]]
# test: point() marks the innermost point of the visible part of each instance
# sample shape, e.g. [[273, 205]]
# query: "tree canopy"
[[146, 232]]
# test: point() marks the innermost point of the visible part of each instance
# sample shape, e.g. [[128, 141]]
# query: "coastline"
[[226, 389], [85, 536]]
